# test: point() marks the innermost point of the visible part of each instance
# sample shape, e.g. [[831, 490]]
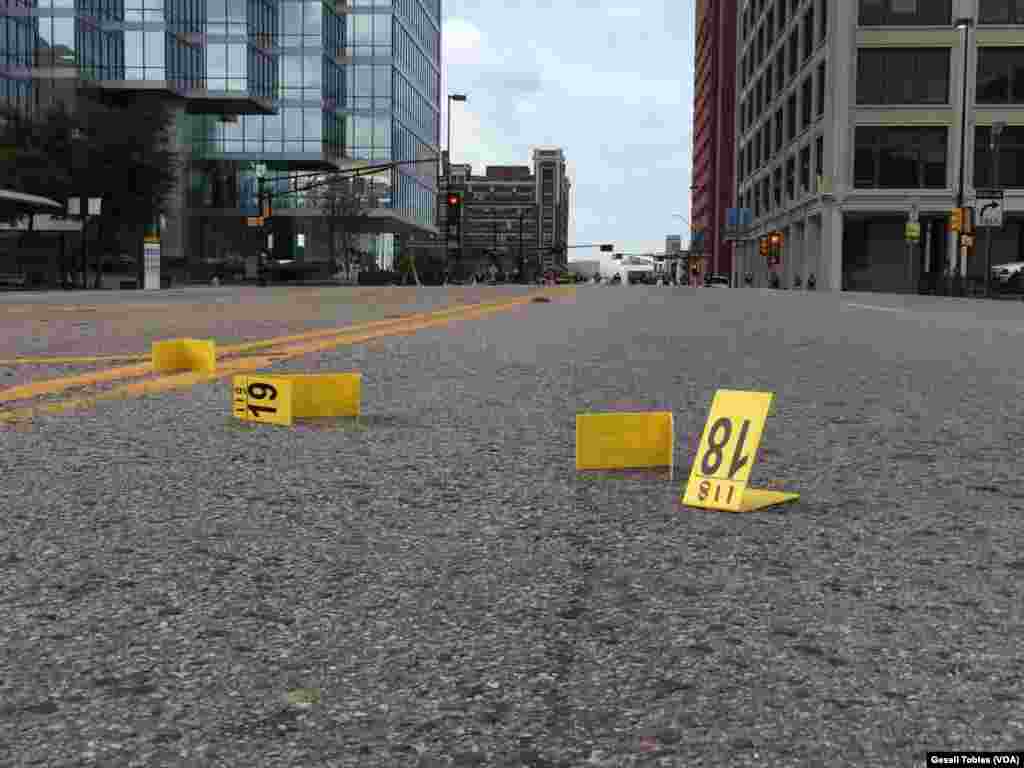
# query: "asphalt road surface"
[[443, 589]]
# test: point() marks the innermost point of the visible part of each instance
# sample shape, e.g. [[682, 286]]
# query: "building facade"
[[849, 122], [714, 144], [261, 88], [512, 216]]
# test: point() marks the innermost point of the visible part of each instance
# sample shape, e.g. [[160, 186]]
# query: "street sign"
[[990, 208]]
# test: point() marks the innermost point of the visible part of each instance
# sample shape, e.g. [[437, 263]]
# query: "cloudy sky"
[[609, 81]]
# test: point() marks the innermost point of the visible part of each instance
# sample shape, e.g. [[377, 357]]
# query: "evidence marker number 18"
[[717, 440], [726, 454]]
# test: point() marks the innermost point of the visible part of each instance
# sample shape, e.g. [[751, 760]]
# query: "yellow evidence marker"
[[184, 355], [728, 447], [267, 399], [282, 399], [624, 440]]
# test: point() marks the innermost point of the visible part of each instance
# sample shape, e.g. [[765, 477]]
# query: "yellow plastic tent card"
[[265, 399], [326, 395], [184, 355], [728, 448], [624, 440]]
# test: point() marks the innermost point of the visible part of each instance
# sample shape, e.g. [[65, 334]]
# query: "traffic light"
[[453, 221], [763, 246], [956, 220]]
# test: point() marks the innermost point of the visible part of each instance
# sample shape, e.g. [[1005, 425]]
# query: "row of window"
[[766, 194], [788, 122], [368, 34], [892, 158], [414, 110], [423, 25], [421, 70], [922, 76], [799, 45], [935, 12]]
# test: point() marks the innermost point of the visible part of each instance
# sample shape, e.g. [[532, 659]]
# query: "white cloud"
[[579, 76]]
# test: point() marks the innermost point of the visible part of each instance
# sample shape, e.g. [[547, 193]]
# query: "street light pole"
[[965, 24], [448, 178], [993, 148]]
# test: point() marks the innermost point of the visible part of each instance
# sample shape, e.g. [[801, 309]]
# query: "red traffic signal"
[[453, 199]]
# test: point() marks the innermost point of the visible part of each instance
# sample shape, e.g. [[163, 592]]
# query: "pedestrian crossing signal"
[[763, 246], [956, 220]]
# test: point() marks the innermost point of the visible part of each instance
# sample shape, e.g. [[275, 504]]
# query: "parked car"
[[717, 281], [1003, 272]]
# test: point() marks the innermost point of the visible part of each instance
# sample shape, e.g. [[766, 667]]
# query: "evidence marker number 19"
[[263, 398]]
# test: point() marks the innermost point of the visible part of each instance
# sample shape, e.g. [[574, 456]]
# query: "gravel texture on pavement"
[[433, 585]]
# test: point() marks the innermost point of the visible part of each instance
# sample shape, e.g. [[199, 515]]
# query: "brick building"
[[714, 133]]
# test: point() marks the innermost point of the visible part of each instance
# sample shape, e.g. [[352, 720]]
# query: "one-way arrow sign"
[[990, 207]]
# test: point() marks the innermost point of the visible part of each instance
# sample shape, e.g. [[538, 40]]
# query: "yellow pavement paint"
[[243, 347], [184, 355], [52, 386], [725, 457], [230, 367], [624, 440]]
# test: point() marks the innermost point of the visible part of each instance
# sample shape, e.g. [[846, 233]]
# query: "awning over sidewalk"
[[19, 203]]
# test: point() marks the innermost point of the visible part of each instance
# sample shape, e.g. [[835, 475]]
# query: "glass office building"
[[357, 84], [271, 87]]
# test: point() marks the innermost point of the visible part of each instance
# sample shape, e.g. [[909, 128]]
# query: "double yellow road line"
[[232, 359]]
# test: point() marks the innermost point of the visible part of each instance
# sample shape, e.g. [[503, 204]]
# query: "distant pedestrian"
[[811, 282], [797, 282]]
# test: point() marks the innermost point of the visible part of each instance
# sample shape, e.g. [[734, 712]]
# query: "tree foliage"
[[123, 155]]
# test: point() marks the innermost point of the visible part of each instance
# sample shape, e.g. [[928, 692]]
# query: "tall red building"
[[714, 134]]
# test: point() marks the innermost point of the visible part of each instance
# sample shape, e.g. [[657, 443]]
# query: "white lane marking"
[[872, 306]]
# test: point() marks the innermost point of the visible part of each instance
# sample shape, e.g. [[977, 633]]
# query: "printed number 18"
[[722, 430]]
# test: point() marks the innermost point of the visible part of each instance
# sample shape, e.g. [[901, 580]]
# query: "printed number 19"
[[261, 391]]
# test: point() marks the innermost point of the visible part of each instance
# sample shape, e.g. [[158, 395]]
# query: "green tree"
[[123, 155]]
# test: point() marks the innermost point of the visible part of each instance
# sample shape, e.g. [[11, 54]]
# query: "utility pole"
[[522, 264], [993, 148]]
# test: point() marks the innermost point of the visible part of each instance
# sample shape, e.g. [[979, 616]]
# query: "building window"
[[900, 158], [806, 107], [778, 129], [1001, 11], [1011, 157], [794, 51], [819, 156], [879, 13], [780, 70], [791, 178], [805, 169], [1000, 76], [808, 33], [767, 136], [903, 75], [791, 117], [821, 90], [823, 25], [782, 15], [777, 186]]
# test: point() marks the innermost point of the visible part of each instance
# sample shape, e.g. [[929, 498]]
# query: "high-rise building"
[[850, 121], [714, 145], [267, 88]]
